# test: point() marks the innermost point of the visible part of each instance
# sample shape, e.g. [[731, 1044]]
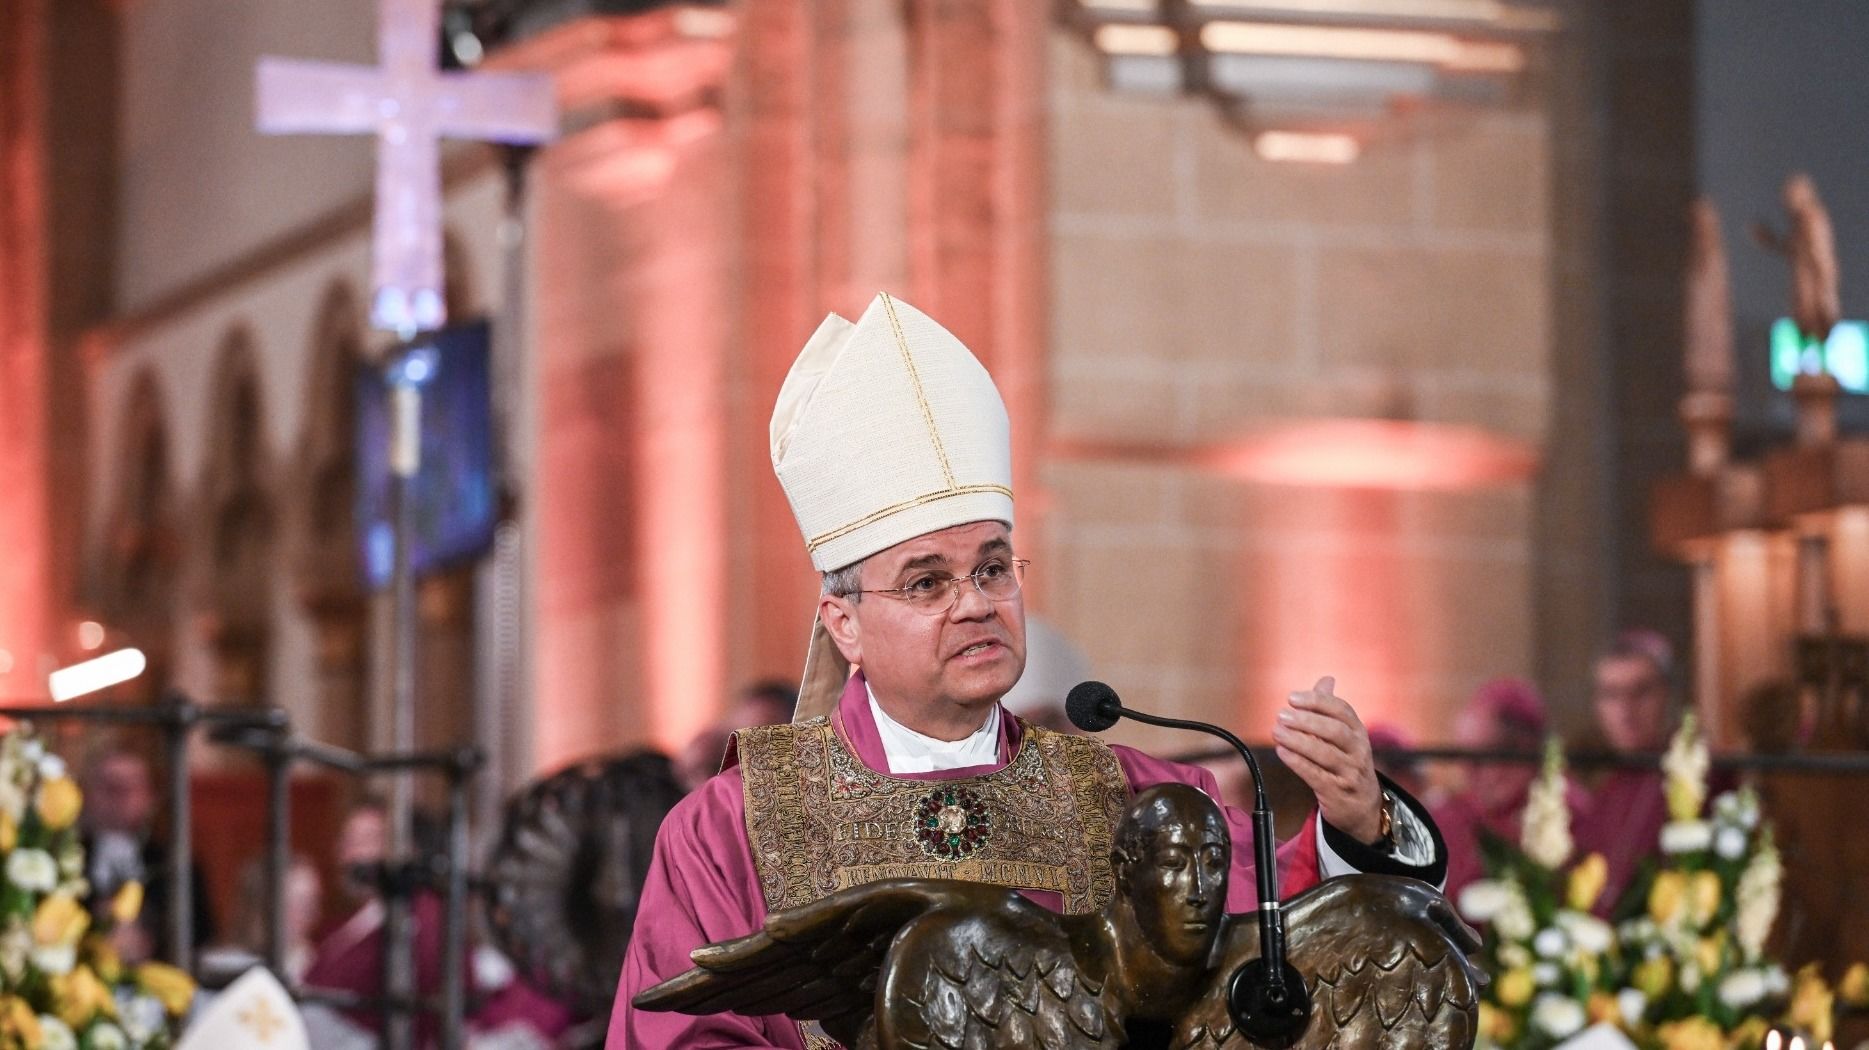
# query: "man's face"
[[1178, 887], [120, 795], [364, 840], [1631, 703], [969, 654]]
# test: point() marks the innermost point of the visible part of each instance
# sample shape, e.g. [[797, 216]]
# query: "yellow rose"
[[1705, 897], [1516, 987], [1707, 953], [60, 920], [172, 987], [1853, 989], [1604, 1009], [80, 997], [1654, 977], [103, 958], [1666, 897], [1749, 1035], [1693, 1033], [128, 903], [59, 802], [1590, 966], [19, 1026], [1587, 880], [1813, 1005], [9, 832], [1497, 1025]]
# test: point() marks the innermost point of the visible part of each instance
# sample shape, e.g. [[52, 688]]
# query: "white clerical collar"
[[912, 752]]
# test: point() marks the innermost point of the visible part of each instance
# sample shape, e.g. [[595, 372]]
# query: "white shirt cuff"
[[1413, 845]]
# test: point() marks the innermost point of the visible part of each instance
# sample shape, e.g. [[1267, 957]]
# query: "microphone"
[[1266, 996]]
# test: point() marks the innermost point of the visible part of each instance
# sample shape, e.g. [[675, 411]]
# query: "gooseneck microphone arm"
[[1264, 842], [1266, 996]]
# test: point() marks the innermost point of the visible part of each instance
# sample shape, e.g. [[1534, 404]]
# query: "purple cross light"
[[410, 105]]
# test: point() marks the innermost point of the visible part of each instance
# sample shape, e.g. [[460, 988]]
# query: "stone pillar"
[[778, 79], [25, 571], [977, 202], [627, 516]]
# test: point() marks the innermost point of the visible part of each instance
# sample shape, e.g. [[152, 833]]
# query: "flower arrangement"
[[62, 987], [1686, 968]]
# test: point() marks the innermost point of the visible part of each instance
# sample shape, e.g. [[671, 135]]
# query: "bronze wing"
[[1385, 959], [965, 967]]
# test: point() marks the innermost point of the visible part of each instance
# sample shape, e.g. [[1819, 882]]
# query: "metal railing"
[[1817, 763], [267, 733]]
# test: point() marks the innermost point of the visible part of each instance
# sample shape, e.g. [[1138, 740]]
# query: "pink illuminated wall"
[[25, 571]]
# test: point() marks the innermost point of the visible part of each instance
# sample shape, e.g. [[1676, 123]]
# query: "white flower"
[[1690, 977], [15, 945], [1757, 898], [1631, 1002], [1589, 933], [33, 870], [55, 1034], [1742, 988], [1686, 836], [56, 960], [142, 1015], [1482, 899], [1686, 765], [1638, 931], [12, 799], [1777, 981], [1547, 974], [32, 749], [106, 1036], [1514, 956], [1730, 842], [51, 767], [1558, 1016], [1550, 942], [1545, 833], [1738, 808], [1514, 919]]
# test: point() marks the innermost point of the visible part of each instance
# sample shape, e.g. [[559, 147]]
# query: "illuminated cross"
[[410, 105]]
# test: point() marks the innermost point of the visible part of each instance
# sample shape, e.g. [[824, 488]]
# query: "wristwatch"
[[1385, 841]]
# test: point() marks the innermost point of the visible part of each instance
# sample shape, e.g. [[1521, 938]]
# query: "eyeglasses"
[[935, 593]]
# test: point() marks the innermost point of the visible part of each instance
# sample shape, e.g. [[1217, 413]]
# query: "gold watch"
[[1386, 840]]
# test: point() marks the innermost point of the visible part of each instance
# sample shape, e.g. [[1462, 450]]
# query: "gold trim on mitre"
[[884, 429]]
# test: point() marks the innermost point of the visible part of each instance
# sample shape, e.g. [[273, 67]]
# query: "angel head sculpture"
[[933, 962]]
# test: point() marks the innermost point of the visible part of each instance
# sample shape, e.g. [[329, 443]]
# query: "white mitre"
[[884, 430], [254, 1013]]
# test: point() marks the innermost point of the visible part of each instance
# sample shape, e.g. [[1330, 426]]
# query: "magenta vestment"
[[703, 887]]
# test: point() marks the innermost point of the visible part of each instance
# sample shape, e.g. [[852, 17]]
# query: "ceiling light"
[[1482, 12], [1380, 45], [1312, 147], [1121, 39]]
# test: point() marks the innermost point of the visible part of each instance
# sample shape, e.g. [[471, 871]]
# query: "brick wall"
[[1200, 292]]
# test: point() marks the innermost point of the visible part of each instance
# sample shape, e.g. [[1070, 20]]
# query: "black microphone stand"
[[1266, 996]]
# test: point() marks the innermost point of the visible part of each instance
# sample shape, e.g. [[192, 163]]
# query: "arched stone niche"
[[328, 582], [142, 558], [237, 525]]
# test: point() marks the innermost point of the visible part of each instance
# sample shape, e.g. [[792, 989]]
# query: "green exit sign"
[[1844, 355]]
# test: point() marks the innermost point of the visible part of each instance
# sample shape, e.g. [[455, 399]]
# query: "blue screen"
[[455, 508]]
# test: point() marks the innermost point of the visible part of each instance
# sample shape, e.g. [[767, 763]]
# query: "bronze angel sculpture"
[[917, 964]]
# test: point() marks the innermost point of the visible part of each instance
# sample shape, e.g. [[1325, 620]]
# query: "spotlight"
[[69, 683]]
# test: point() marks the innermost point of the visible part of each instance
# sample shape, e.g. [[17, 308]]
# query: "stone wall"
[[1199, 293]]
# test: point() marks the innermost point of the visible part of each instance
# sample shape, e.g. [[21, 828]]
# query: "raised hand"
[[1320, 738]]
